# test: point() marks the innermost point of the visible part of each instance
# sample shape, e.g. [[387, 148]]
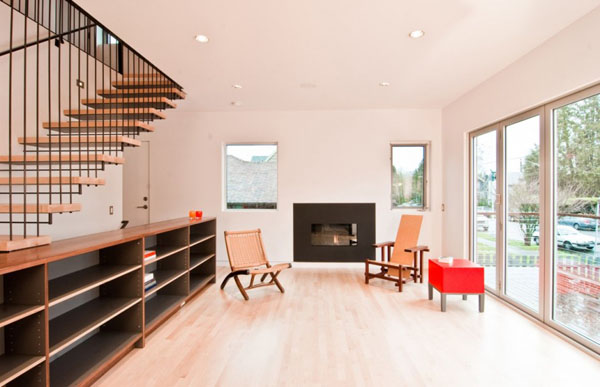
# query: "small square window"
[[251, 176]]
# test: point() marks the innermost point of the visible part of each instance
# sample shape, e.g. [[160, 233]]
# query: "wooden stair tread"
[[116, 111], [44, 208], [171, 92], [142, 82], [45, 180], [64, 158], [120, 101], [143, 75], [83, 140], [98, 124], [20, 243]]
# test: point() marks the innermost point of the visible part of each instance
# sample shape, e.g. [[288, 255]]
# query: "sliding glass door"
[[506, 208], [484, 217], [575, 304], [522, 211], [535, 212]]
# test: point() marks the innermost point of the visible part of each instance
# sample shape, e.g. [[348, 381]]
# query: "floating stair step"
[[19, 243], [44, 208], [115, 113], [64, 159], [136, 83], [98, 126], [156, 102], [168, 92], [54, 180], [138, 75], [80, 141]]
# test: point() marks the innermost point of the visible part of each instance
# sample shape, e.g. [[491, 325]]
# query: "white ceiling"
[[344, 47]]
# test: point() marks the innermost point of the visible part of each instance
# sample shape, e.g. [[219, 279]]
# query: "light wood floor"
[[330, 329]]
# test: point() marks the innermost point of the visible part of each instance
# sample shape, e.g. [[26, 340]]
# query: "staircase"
[[44, 169]]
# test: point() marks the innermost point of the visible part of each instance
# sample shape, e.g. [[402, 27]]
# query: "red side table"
[[459, 277]]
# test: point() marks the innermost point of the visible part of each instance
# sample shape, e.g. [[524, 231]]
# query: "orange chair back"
[[407, 236], [245, 249]]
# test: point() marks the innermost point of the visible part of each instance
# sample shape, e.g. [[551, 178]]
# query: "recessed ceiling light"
[[416, 34], [236, 103], [384, 84], [236, 86], [202, 38]]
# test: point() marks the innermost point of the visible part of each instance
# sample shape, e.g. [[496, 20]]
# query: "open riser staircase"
[[74, 95]]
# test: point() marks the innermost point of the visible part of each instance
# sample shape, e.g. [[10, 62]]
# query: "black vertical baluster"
[[25, 119], [50, 168], [10, 161], [110, 108], [69, 27], [79, 94], [59, 31], [86, 20], [37, 118], [95, 93], [103, 85]]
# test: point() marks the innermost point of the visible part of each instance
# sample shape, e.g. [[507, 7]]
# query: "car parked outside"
[[483, 223], [568, 238], [578, 223]]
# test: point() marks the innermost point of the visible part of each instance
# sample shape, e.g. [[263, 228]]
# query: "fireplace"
[[334, 232]]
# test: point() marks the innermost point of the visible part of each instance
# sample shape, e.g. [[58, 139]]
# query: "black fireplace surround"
[[310, 218]]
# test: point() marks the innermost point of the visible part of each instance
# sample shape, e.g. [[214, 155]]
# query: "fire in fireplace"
[[333, 234]]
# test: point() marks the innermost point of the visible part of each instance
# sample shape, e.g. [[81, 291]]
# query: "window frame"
[[426, 145], [224, 175]]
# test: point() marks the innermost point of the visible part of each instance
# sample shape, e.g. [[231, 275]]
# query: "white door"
[[136, 185]]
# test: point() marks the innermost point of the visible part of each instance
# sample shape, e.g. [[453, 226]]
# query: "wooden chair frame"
[[385, 264], [253, 266]]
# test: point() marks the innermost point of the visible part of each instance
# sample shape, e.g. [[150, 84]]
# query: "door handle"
[[145, 207]]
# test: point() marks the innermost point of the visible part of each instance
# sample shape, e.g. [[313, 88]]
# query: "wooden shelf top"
[[22, 259]]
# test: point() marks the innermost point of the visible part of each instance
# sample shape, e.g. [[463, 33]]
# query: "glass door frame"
[[501, 212], [472, 205], [551, 213]]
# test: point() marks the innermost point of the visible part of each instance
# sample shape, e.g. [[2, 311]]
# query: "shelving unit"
[[95, 309], [22, 335], [203, 261]]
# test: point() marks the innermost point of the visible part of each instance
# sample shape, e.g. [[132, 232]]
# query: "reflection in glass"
[[576, 287], [522, 171], [484, 181]]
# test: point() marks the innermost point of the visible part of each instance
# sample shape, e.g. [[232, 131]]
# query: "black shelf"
[[75, 324], [198, 281], [165, 277], [159, 305], [13, 366], [196, 239], [198, 259], [10, 313], [164, 252], [71, 285], [78, 363]]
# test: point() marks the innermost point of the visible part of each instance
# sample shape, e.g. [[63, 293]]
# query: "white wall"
[[324, 156], [568, 61]]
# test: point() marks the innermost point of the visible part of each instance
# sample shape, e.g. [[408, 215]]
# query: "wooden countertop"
[[64, 248]]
